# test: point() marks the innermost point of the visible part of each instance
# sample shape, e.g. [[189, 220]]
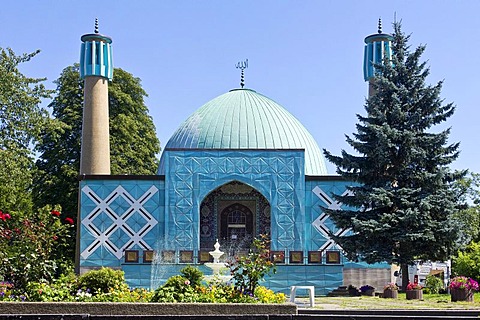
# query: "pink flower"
[[464, 283], [187, 282]]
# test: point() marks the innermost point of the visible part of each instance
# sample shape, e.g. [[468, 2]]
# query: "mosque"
[[238, 167]]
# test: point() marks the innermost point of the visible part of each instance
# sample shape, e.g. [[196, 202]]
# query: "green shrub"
[[175, 289], [102, 281], [123, 294], [433, 284], [61, 289], [194, 275], [248, 271]]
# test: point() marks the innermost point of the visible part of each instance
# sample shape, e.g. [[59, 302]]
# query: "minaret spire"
[[96, 25], [379, 25]]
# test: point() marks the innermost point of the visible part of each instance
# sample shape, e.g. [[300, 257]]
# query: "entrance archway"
[[234, 213]]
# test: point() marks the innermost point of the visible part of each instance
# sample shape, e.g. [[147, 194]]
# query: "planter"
[[353, 292], [390, 294], [414, 294], [370, 293], [461, 295]]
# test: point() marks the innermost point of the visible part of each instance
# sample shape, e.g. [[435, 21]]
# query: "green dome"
[[245, 119]]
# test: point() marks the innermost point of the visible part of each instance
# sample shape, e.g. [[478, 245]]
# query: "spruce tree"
[[402, 199]]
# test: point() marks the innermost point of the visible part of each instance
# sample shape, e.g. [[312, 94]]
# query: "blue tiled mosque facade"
[[240, 166]]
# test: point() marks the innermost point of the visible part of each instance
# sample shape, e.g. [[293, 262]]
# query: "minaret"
[[377, 47], [96, 69]]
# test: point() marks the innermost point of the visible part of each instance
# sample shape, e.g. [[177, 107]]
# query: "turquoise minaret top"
[[96, 55], [377, 47]]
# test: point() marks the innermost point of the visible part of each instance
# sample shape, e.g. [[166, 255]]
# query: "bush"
[[123, 294], [61, 289], [102, 281], [248, 271], [194, 275], [31, 244], [66, 288], [175, 289], [433, 284]]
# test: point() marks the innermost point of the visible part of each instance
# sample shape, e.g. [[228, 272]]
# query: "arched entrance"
[[234, 214]]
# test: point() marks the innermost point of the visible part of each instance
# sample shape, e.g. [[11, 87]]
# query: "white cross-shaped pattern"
[[319, 223], [119, 221]]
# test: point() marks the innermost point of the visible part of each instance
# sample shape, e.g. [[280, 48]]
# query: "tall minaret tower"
[[377, 47], [96, 69]]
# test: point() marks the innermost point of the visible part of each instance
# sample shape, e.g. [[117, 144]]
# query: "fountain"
[[216, 266]]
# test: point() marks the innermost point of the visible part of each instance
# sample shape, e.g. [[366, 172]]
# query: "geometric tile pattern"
[[323, 224], [277, 174], [117, 221]]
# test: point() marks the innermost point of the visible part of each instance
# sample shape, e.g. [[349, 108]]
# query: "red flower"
[[69, 220], [413, 286], [55, 213], [4, 216], [55, 237]]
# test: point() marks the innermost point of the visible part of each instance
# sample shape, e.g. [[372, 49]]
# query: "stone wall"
[[376, 277]]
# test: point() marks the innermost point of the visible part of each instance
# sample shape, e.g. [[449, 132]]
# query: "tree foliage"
[[133, 141], [401, 206], [467, 261], [21, 119], [468, 218]]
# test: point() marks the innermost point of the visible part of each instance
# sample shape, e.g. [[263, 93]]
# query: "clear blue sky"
[[306, 55]]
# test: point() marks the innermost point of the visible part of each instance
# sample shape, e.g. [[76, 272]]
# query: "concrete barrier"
[[139, 309]]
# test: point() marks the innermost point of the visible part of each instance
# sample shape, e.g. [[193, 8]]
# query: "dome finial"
[[379, 25], [96, 25], [242, 65]]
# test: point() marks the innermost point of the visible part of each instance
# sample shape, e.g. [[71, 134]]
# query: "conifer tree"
[[402, 200]]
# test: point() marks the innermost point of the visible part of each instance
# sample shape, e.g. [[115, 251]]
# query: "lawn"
[[430, 301]]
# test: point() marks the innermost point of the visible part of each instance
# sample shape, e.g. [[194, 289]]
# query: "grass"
[[430, 301]]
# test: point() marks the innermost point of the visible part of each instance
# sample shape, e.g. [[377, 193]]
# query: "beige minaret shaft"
[[95, 153], [371, 89]]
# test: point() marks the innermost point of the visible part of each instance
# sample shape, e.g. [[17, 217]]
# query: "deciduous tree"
[[21, 119], [133, 142]]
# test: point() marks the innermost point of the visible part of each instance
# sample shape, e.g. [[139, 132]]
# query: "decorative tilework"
[[323, 223], [117, 220], [191, 174]]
